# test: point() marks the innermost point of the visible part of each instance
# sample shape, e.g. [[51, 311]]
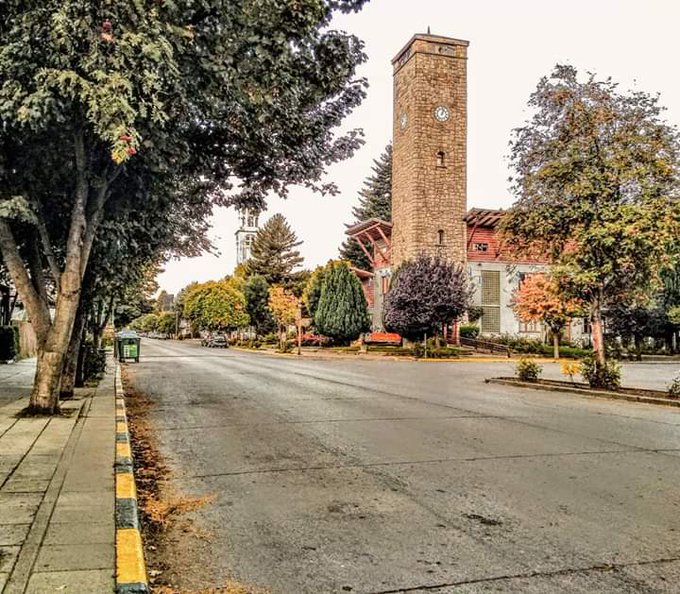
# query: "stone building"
[[429, 190]]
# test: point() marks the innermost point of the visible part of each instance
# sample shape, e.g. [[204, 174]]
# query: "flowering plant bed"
[[630, 394]]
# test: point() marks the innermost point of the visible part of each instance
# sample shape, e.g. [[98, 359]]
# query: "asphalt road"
[[391, 476]]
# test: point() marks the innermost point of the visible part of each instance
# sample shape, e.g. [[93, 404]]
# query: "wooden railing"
[[483, 345]]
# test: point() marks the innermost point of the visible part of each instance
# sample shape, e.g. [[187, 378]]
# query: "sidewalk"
[[57, 530]]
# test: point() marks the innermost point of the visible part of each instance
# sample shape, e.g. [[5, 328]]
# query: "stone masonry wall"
[[428, 196]]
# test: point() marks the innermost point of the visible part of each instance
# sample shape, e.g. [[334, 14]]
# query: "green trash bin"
[[127, 346]]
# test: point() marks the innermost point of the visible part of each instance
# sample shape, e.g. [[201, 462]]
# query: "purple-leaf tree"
[[425, 294]]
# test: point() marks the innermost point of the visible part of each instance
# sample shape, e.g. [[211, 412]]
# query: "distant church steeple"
[[249, 226]]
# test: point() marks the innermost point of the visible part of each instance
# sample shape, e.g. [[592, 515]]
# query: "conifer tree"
[[375, 202], [256, 292], [312, 293], [273, 254], [342, 313]]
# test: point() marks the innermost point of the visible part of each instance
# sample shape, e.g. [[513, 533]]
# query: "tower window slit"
[[441, 159], [440, 237]]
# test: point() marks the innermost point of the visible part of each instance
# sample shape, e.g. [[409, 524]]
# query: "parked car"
[[219, 341], [205, 339]]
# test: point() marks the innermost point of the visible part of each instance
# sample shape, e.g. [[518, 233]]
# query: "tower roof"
[[439, 39]]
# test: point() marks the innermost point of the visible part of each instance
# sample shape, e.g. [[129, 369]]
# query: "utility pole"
[[298, 319]]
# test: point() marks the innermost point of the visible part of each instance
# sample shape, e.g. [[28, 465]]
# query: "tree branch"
[[37, 309], [46, 243], [94, 216], [35, 267]]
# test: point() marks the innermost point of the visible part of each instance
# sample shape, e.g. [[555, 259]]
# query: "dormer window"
[[480, 247]]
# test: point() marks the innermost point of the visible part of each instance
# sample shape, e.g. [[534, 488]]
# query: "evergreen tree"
[[312, 292], [375, 202], [256, 292], [273, 254], [342, 313]]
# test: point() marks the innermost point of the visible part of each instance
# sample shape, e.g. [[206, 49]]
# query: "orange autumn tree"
[[538, 300], [284, 307]]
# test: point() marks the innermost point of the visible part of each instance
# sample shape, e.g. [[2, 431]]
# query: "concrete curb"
[[593, 393], [130, 567]]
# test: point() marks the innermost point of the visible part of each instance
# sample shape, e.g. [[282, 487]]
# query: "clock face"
[[403, 121], [441, 113]]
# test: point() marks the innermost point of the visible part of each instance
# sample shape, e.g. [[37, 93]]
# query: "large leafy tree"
[[341, 311], [596, 179], [216, 305], [101, 102], [256, 292], [273, 254], [284, 306], [538, 299], [425, 294], [375, 202]]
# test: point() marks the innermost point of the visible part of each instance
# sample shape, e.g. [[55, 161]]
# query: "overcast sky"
[[512, 44]]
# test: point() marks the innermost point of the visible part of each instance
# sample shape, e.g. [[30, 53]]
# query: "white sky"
[[512, 44]]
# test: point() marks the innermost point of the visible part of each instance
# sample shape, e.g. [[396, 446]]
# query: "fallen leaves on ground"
[[229, 588]]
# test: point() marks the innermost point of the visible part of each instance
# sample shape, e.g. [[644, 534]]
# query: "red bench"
[[382, 338]]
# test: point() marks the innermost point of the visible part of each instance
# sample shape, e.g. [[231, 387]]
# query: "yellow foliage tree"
[[284, 307]]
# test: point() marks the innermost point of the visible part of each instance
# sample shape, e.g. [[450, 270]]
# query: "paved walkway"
[[57, 529], [16, 380]]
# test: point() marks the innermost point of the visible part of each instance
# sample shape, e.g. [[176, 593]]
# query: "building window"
[[440, 237], [480, 247], [491, 302], [441, 159], [587, 327]]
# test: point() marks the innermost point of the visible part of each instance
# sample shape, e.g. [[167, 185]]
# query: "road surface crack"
[[601, 567]]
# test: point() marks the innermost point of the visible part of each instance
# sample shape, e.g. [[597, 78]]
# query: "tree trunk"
[[68, 379], [51, 357], [556, 345], [45, 394], [598, 334], [80, 364]]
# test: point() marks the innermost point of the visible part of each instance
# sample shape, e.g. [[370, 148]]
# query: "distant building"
[[429, 194], [249, 226]]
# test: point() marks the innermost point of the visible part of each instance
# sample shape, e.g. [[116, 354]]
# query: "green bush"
[[469, 331], [674, 388], [443, 353], [287, 346], [8, 348], [271, 338], [607, 376], [533, 346], [528, 370]]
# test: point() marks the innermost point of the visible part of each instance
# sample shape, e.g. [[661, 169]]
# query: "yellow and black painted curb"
[[130, 567]]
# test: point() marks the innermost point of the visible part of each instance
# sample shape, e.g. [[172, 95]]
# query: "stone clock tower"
[[429, 184]]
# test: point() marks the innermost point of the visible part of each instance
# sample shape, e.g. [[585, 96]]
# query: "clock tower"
[[429, 183]]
